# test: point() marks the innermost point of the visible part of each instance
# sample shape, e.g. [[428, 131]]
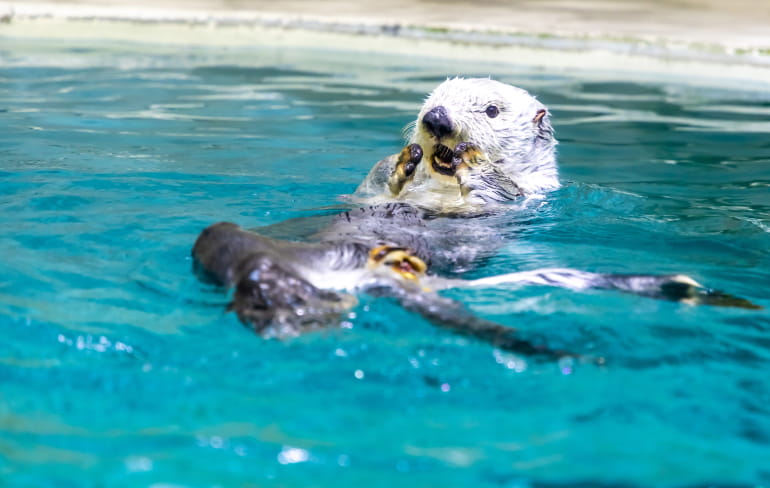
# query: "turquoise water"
[[117, 368]]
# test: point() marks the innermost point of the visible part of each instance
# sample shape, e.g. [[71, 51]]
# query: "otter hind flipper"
[[682, 288], [677, 288]]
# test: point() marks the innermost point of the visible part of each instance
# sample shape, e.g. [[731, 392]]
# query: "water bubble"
[[510, 361], [343, 460], [138, 464], [339, 352], [359, 374], [216, 442], [293, 455]]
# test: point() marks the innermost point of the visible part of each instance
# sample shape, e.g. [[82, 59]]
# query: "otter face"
[[509, 125]]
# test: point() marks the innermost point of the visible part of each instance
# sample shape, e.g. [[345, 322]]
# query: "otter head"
[[508, 124]]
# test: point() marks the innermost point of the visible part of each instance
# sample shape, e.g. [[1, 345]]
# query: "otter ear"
[[542, 121]]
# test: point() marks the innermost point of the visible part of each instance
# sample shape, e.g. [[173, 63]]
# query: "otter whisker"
[[408, 131]]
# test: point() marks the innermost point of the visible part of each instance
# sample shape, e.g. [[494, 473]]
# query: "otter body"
[[434, 209]]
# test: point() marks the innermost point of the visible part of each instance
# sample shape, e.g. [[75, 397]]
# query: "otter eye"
[[492, 111]]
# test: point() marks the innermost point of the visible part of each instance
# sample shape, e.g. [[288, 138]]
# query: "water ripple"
[[119, 367]]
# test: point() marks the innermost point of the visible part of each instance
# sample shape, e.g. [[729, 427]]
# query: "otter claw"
[[461, 148]]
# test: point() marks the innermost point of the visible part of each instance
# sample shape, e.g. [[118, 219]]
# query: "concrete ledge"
[[731, 42]]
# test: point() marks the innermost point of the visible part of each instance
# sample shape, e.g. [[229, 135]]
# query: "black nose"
[[437, 122]]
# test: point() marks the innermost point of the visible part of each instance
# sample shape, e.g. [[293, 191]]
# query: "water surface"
[[119, 369]]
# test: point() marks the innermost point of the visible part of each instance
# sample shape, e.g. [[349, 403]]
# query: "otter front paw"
[[407, 162], [464, 157], [480, 180], [467, 156]]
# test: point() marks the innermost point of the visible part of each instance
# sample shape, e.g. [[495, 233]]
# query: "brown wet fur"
[[219, 248]]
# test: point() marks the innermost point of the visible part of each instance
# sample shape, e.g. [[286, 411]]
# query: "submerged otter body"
[[425, 214]]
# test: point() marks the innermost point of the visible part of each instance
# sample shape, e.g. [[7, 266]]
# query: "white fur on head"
[[519, 139]]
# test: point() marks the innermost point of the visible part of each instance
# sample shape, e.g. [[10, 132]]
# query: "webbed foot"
[[406, 163], [677, 288], [684, 289]]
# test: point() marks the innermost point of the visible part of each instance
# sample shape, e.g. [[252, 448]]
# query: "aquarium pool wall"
[[708, 42]]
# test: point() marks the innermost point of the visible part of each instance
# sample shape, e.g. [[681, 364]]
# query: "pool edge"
[[669, 58]]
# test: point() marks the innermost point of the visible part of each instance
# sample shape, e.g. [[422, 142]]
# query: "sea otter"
[[480, 142], [424, 216]]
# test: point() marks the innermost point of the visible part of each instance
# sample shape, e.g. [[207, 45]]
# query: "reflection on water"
[[118, 366]]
